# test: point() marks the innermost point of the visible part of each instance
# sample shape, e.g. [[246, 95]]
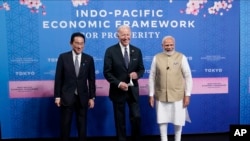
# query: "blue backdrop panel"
[[244, 64], [32, 37]]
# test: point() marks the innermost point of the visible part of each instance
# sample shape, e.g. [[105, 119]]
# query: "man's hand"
[[123, 86], [58, 102], [133, 75], [186, 101], [151, 101], [91, 103]]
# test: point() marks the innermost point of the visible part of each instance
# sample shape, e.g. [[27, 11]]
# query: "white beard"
[[170, 52]]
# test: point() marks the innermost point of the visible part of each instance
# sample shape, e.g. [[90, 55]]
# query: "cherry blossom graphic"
[[77, 3], [5, 6], [33, 5], [195, 6]]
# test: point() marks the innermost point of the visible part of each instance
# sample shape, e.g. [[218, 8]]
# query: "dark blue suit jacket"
[[66, 80], [115, 71]]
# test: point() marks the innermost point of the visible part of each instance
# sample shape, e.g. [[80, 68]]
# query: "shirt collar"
[[74, 54], [122, 47]]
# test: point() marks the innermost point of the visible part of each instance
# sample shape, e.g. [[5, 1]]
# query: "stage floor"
[[192, 137]]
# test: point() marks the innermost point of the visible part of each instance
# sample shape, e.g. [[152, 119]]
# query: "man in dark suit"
[[75, 87], [123, 79]]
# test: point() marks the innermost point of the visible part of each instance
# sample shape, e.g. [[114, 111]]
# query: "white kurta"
[[172, 112]]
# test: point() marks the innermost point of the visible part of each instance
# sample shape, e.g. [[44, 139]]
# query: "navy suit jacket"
[[66, 80], [115, 71]]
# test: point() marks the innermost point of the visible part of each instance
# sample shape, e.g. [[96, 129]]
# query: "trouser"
[[164, 129], [134, 116]]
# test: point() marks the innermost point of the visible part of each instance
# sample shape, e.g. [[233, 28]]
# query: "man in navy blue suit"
[[122, 70], [75, 87]]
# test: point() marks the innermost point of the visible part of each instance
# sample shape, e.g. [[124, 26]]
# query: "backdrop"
[[33, 34]]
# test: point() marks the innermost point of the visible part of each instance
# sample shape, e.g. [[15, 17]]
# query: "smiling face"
[[77, 43], [124, 35], [168, 44]]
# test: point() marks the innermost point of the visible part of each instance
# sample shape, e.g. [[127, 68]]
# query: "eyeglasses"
[[169, 45]]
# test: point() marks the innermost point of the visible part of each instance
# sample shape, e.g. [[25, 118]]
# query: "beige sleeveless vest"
[[169, 81]]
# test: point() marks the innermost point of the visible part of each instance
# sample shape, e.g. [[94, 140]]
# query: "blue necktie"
[[126, 59]]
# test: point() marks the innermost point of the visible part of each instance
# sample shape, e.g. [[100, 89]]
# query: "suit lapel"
[[131, 50], [120, 55], [71, 62], [82, 63]]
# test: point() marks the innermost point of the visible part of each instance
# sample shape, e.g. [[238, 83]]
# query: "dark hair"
[[77, 34]]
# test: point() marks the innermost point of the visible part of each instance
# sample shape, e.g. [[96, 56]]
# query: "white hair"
[[122, 27], [168, 37]]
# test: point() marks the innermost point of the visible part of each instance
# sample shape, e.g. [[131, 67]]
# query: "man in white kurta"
[[170, 85]]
